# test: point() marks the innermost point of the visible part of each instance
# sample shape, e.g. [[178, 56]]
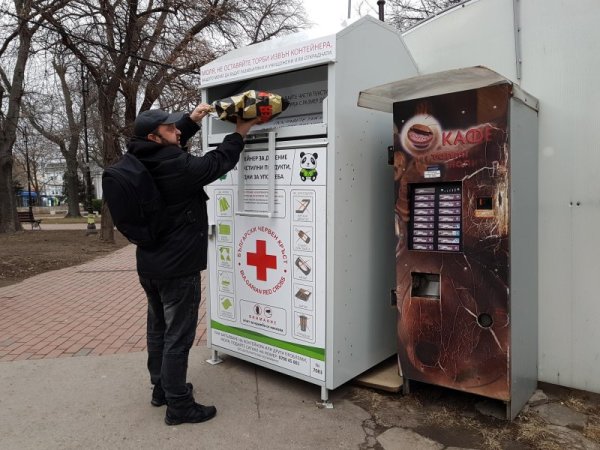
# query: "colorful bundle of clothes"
[[249, 105]]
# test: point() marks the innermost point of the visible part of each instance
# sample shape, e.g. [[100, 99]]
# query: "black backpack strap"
[[187, 212], [177, 214]]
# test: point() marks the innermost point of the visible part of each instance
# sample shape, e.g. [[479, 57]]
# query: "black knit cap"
[[149, 120]]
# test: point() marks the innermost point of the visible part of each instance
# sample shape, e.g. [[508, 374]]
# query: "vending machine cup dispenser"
[[465, 180]]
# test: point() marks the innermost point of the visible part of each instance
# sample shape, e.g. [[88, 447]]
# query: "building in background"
[[50, 179]]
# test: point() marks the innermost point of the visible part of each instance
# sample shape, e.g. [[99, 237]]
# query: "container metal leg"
[[215, 358], [405, 386], [325, 403]]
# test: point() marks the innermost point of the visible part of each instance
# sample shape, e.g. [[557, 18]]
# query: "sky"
[[331, 13]]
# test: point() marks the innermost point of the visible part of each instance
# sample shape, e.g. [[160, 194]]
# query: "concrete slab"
[[558, 414], [538, 398], [570, 439], [104, 402], [403, 439]]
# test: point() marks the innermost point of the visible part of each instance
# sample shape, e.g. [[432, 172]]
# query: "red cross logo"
[[261, 260]]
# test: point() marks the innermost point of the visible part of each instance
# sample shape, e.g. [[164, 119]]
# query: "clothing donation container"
[[465, 170], [301, 243]]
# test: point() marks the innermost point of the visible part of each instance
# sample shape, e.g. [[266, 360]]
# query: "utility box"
[[302, 243], [465, 168]]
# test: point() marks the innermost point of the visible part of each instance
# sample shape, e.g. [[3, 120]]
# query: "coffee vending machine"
[[465, 174]]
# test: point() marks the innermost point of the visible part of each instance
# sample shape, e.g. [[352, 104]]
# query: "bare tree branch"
[[404, 14]]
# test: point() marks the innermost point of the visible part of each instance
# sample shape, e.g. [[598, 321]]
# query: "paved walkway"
[[63, 397], [97, 308]]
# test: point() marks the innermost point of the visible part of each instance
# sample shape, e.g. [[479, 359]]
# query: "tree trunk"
[[8, 202], [9, 223], [72, 182], [70, 152], [111, 153]]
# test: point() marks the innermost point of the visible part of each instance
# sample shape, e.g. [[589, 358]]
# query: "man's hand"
[[200, 112], [243, 126]]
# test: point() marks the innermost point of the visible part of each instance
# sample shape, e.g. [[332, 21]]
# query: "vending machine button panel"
[[436, 217]]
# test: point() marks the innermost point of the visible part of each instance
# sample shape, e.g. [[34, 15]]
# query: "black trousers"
[[171, 329]]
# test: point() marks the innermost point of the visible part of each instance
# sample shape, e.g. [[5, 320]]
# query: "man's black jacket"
[[180, 178]]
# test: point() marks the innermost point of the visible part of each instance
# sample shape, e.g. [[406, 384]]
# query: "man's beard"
[[163, 141]]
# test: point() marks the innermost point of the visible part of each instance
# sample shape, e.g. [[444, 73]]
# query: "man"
[[169, 270]]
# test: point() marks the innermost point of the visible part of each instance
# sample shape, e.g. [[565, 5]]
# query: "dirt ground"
[[29, 253], [454, 419]]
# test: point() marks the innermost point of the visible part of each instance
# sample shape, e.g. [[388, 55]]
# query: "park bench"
[[27, 217]]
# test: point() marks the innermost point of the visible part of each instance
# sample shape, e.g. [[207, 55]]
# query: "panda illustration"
[[308, 166]]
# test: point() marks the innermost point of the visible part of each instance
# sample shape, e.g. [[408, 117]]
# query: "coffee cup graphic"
[[303, 322], [421, 134]]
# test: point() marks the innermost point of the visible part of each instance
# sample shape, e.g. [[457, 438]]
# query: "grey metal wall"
[[559, 48], [523, 254]]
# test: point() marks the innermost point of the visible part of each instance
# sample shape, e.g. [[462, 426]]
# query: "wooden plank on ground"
[[383, 376]]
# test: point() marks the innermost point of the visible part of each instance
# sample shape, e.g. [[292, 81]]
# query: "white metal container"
[[301, 260]]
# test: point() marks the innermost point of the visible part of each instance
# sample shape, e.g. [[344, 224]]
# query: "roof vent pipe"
[[381, 4]]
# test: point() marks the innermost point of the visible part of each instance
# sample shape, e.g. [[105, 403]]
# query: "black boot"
[[188, 411], [158, 394]]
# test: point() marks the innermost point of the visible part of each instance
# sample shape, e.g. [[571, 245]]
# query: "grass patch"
[[492, 437], [592, 430], [577, 404]]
